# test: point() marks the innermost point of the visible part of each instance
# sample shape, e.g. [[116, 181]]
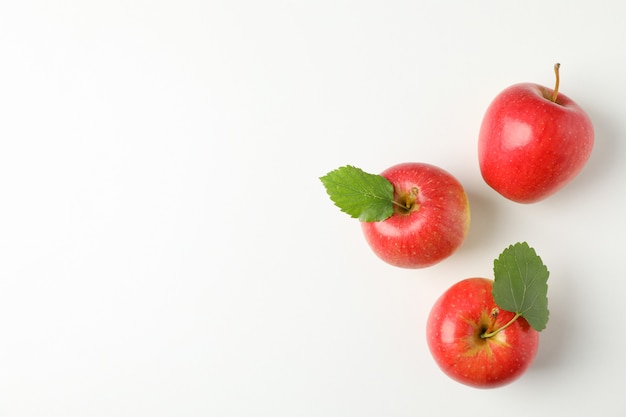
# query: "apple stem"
[[495, 332], [556, 84], [408, 201]]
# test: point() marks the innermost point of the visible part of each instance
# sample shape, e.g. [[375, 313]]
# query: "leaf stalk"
[[492, 333]]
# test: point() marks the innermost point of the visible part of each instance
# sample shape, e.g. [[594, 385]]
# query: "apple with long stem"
[[485, 333], [533, 141], [413, 215]]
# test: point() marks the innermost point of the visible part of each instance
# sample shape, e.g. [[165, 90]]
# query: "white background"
[[166, 246]]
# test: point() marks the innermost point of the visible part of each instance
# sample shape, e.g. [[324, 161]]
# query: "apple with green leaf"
[[413, 215], [485, 333], [533, 140]]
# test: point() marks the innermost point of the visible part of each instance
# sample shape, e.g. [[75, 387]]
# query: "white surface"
[[166, 247]]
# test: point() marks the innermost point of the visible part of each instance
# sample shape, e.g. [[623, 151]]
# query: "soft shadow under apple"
[[484, 218], [556, 340]]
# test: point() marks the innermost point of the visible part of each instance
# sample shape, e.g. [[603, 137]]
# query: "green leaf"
[[368, 197], [521, 284]]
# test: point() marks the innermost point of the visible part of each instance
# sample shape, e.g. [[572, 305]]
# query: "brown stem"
[[495, 332], [556, 85], [407, 201]]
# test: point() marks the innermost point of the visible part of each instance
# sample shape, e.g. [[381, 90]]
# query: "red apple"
[[430, 218], [533, 140], [474, 341]]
